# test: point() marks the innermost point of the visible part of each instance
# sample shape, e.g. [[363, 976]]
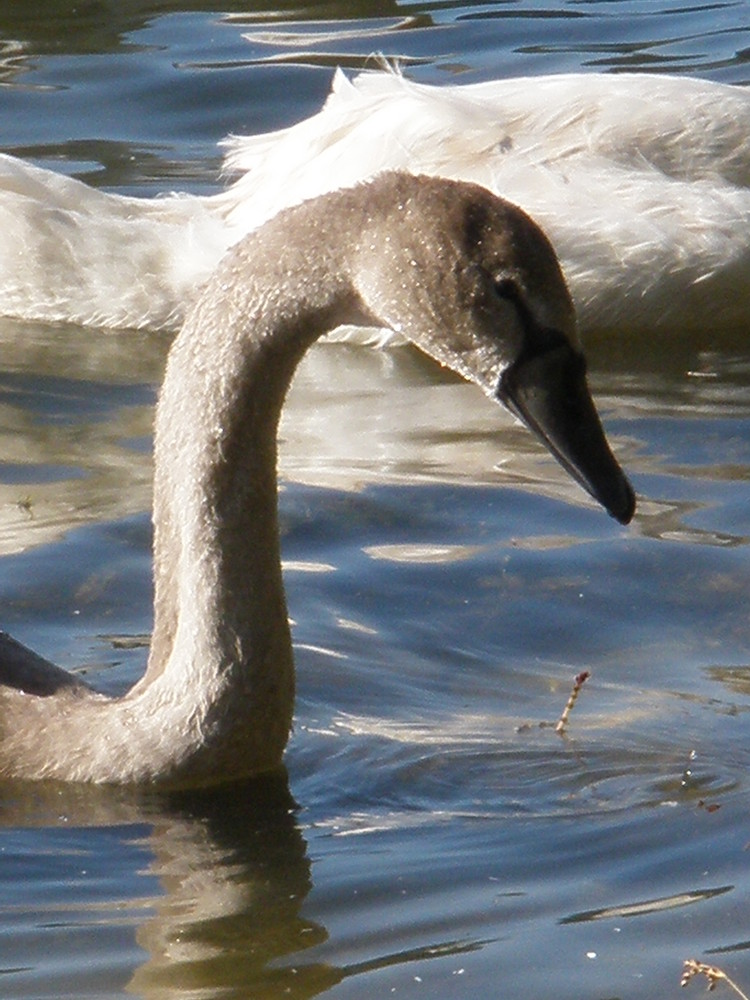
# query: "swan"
[[642, 182], [474, 283]]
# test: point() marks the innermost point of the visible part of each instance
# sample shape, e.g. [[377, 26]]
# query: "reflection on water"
[[215, 893], [220, 897], [212, 895], [446, 583], [75, 429]]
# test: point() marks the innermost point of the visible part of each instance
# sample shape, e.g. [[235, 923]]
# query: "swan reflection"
[[233, 878]]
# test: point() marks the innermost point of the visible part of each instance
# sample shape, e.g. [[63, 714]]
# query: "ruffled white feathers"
[[641, 182]]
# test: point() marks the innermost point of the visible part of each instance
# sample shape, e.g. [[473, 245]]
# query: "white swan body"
[[641, 182], [72, 253], [468, 278]]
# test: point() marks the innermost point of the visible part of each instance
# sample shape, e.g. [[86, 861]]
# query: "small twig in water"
[[579, 682], [712, 973]]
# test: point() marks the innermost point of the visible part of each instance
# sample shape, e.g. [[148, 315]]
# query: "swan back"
[[72, 253], [642, 182]]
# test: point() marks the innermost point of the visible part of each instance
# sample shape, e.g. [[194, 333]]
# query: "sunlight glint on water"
[[435, 837]]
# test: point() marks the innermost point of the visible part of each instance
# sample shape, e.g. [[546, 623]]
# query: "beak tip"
[[623, 508]]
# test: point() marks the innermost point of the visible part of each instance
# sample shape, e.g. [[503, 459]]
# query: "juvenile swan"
[[474, 283]]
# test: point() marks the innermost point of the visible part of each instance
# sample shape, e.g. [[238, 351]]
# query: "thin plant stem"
[[712, 973], [579, 682]]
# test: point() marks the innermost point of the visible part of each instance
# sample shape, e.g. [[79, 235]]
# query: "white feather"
[[642, 183]]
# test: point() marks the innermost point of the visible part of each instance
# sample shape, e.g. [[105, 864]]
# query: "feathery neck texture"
[[221, 624]]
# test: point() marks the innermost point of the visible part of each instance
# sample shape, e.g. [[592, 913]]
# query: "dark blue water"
[[434, 837]]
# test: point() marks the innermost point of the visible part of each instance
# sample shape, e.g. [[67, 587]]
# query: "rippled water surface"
[[446, 581]]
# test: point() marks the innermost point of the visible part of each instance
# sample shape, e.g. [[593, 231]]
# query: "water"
[[445, 579]]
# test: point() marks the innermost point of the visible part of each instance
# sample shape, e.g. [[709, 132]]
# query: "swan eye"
[[506, 289]]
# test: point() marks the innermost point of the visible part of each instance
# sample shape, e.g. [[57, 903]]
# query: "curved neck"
[[221, 624]]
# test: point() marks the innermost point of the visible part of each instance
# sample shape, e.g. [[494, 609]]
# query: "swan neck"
[[221, 627]]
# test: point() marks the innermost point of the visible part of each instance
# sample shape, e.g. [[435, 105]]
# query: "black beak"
[[549, 393]]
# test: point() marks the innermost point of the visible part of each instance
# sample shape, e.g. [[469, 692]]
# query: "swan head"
[[487, 298]]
